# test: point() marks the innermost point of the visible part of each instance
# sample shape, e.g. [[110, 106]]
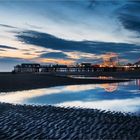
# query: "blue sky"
[[68, 32]]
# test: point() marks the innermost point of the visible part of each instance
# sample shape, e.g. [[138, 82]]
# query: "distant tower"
[[110, 60]]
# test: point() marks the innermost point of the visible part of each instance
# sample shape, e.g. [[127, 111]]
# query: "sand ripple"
[[47, 122]]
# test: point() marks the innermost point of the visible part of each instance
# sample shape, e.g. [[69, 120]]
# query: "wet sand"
[[120, 74], [47, 122], [15, 82]]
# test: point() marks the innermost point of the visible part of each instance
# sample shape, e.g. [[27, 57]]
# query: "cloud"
[[7, 26], [8, 47], [50, 41], [33, 26], [58, 55], [129, 16], [2, 50], [77, 20], [78, 48], [130, 22], [77, 31], [92, 3], [56, 61]]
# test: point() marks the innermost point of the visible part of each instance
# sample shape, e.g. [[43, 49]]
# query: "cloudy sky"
[[68, 32]]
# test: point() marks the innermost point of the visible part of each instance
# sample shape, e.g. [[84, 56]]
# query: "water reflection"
[[138, 83], [125, 97], [108, 87], [89, 77], [111, 87]]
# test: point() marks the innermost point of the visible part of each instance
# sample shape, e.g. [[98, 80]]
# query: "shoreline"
[[17, 82], [50, 122], [120, 74]]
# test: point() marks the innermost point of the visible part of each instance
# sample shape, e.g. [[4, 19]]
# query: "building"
[[137, 64], [85, 65], [109, 65], [27, 68], [53, 68], [110, 60]]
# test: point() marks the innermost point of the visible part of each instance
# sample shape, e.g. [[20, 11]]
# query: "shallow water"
[[89, 77], [124, 97]]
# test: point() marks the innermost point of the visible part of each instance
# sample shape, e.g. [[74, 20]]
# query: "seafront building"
[[137, 64], [27, 68], [82, 67]]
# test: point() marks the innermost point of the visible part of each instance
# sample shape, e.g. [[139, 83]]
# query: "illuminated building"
[[110, 60]]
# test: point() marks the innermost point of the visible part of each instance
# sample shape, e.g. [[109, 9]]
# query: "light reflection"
[[20, 96], [138, 83], [110, 87], [125, 105], [86, 96]]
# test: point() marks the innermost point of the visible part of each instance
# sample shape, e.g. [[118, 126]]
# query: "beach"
[[26, 81], [69, 69], [48, 122]]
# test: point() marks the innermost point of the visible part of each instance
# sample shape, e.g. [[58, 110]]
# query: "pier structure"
[[83, 67]]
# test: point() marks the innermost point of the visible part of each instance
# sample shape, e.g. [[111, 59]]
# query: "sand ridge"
[[48, 122]]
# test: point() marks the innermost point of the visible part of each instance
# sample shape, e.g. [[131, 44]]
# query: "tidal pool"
[[124, 97]]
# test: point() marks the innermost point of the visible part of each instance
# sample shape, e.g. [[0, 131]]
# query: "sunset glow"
[[68, 32]]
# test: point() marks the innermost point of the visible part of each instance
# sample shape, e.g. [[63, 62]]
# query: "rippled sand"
[[47, 122]]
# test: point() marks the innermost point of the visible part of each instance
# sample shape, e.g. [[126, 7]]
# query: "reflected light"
[[90, 99], [110, 87], [124, 105], [20, 96], [138, 82]]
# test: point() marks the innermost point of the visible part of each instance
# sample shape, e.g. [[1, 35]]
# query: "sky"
[[68, 31]]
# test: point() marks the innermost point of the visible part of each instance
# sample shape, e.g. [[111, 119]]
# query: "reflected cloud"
[[125, 105], [84, 96], [78, 88], [21, 96], [110, 87]]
